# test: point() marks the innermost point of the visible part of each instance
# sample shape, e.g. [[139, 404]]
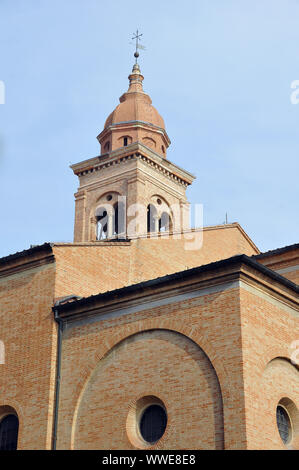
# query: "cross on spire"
[[137, 37]]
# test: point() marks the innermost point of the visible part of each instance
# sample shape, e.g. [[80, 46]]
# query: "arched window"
[[125, 140], [107, 146], [119, 219], [283, 424], [151, 218], [164, 222], [9, 427], [102, 223]]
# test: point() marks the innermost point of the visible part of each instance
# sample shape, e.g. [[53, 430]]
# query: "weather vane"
[[137, 37]]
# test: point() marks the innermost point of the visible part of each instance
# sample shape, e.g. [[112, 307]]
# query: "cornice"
[[274, 289], [96, 243], [135, 124], [136, 151], [23, 264]]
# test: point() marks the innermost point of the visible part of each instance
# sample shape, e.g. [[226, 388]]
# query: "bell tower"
[[131, 189]]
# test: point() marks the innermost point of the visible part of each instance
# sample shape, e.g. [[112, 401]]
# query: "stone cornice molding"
[[136, 151]]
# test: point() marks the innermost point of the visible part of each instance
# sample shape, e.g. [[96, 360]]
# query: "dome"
[[135, 110], [134, 120], [135, 105]]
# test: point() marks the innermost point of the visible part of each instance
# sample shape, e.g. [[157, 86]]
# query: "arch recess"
[[103, 359]]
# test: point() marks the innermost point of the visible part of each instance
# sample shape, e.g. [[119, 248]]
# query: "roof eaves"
[[277, 251], [30, 251]]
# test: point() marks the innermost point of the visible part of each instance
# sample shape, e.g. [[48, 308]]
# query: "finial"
[[136, 37], [136, 76]]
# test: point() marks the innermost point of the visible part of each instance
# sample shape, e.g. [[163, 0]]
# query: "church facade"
[[144, 333]]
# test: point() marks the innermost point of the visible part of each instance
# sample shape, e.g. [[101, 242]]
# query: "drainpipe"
[[58, 362]]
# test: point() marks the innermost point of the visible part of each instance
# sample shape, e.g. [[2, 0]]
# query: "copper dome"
[[135, 105], [134, 120]]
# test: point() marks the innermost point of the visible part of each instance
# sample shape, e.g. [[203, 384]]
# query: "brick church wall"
[[87, 269], [186, 353], [269, 328], [28, 331]]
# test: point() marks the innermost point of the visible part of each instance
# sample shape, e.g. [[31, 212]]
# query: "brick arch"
[[14, 405], [163, 198], [270, 353], [149, 142], [164, 208], [129, 137], [105, 193], [153, 200], [190, 333], [7, 410], [285, 359], [287, 363], [279, 382], [97, 200]]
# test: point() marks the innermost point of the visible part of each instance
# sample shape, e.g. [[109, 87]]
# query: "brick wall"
[[87, 269], [269, 328], [227, 344], [188, 354], [28, 331]]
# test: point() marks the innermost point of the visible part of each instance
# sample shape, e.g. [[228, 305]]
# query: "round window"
[[283, 424], [153, 423]]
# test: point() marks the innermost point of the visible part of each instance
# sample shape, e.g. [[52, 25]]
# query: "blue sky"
[[219, 72]]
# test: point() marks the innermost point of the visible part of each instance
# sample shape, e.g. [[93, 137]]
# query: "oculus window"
[[153, 423]]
